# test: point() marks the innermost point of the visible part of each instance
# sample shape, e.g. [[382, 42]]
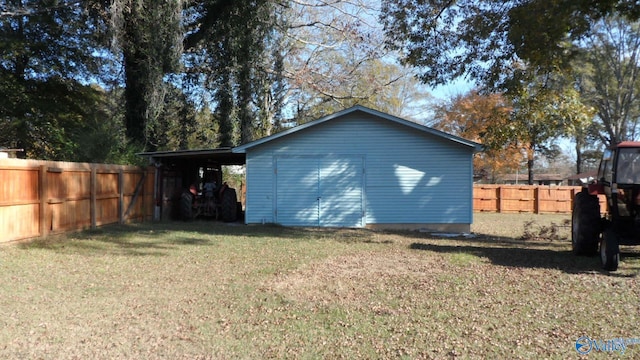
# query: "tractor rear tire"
[[186, 206], [610, 250], [585, 224], [229, 205]]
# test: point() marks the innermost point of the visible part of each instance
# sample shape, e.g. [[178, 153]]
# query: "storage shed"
[[361, 168]]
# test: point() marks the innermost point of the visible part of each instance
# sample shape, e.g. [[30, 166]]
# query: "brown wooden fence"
[[526, 199], [38, 198]]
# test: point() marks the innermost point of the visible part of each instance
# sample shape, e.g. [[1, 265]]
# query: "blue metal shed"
[[361, 168]]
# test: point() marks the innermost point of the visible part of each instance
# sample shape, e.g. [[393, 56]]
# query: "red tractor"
[[206, 199], [618, 180]]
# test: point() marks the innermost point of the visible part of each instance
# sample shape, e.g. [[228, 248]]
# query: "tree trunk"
[[225, 110], [530, 164], [578, 157], [136, 76], [135, 103], [245, 113]]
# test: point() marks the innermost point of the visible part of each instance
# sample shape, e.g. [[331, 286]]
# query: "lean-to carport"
[[177, 170]]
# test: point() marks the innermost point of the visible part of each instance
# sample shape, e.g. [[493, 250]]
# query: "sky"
[[444, 92]]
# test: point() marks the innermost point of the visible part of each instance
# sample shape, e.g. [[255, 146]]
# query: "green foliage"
[[41, 116], [545, 109], [181, 74], [46, 49], [102, 138], [485, 119], [42, 39], [483, 40], [149, 37], [235, 178], [232, 53], [608, 73]]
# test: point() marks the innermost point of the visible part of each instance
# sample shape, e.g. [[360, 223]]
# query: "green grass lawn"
[[203, 290]]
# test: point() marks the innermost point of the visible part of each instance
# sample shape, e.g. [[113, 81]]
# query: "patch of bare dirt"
[[349, 278]]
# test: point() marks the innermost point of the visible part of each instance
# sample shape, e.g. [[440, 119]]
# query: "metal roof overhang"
[[629, 144], [221, 156]]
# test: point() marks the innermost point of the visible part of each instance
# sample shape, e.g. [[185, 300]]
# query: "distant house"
[[361, 168], [538, 179], [9, 153], [582, 178]]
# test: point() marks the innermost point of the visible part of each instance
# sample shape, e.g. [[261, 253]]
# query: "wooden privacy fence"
[[38, 198], [526, 198]]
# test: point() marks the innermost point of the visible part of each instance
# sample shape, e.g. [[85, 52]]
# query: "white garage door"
[[320, 191]]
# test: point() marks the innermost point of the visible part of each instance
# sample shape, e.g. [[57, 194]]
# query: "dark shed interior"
[[178, 170]]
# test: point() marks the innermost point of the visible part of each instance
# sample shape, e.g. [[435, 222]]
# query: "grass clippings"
[[205, 290]]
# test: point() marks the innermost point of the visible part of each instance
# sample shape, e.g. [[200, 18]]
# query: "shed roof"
[[584, 175], [222, 155], [359, 108], [629, 144]]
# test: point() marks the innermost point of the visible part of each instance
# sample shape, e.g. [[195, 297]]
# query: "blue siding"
[[319, 191], [342, 191], [409, 176], [297, 191], [260, 196]]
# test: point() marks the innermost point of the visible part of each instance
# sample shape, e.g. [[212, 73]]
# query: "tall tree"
[[331, 46], [481, 40], [545, 109], [47, 49], [229, 48], [505, 46], [377, 84], [148, 35], [264, 61], [485, 119], [609, 78], [176, 123], [579, 124]]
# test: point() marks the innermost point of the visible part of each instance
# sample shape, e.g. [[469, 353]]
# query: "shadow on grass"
[[91, 245], [130, 240], [221, 229], [157, 238], [527, 254]]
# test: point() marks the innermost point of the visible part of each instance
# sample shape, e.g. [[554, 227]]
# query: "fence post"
[[500, 195], [121, 196], [42, 193], [536, 196], [93, 193], [143, 194]]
